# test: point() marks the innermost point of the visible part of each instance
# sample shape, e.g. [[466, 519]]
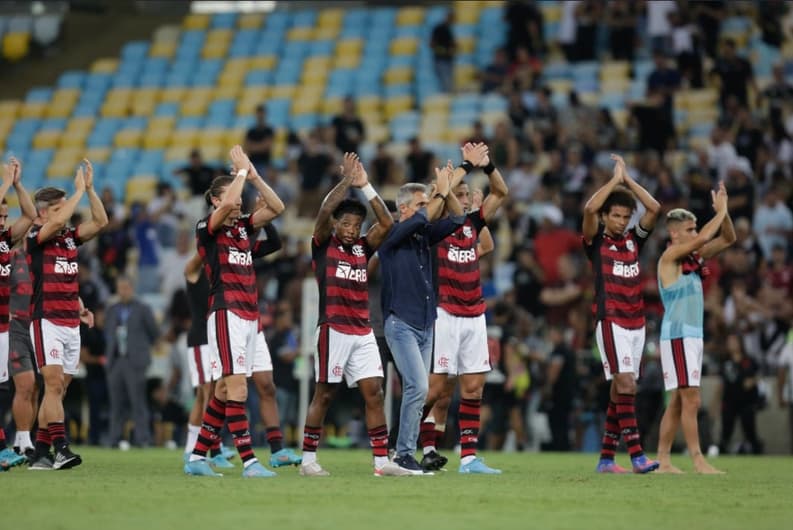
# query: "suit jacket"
[[142, 331]]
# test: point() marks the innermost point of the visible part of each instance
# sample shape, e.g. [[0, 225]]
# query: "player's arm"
[[265, 247], [22, 225], [323, 226], [89, 229], [8, 180], [271, 205], [726, 238], [192, 271], [595, 203], [453, 206], [651, 206], [437, 202], [485, 244], [498, 190], [61, 214], [474, 155], [675, 253], [233, 192], [378, 231]]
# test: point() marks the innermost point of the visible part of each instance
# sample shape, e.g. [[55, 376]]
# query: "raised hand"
[[16, 166], [477, 197], [79, 180], [238, 158], [359, 176], [89, 174], [347, 167], [720, 198], [620, 170], [443, 178], [8, 175], [477, 154]]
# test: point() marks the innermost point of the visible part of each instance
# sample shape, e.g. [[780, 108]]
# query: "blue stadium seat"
[[135, 122], [305, 18], [356, 18], [278, 19], [26, 126], [71, 79], [85, 110], [56, 124], [189, 122], [494, 103], [167, 108], [304, 121], [557, 70], [39, 95], [464, 30], [223, 21], [322, 48], [612, 100], [151, 80], [155, 65], [135, 50], [352, 32], [124, 80]]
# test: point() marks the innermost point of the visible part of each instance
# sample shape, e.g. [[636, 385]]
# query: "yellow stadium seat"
[[226, 92], [398, 76], [63, 95], [404, 46], [620, 117], [562, 86], [128, 138], [466, 12], [47, 139], [172, 94], [6, 124], [282, 91], [466, 45], [68, 155], [315, 78], [60, 171], [220, 35], [59, 110], [464, 75], [196, 21], [167, 33], [317, 63], [236, 64], [459, 133], [347, 61], [589, 98], [349, 47], [217, 151], [395, 106], [141, 189], [410, 16], [114, 110], [9, 108], [104, 66], [157, 138], [143, 106], [250, 21], [258, 93], [326, 33], [262, 62], [163, 49], [195, 106], [613, 70], [117, 96], [246, 107], [279, 148], [302, 33], [332, 106], [702, 99], [330, 18], [432, 133], [235, 136], [615, 85], [98, 154], [185, 138], [212, 137], [377, 132], [436, 103], [16, 45], [180, 153], [83, 124], [161, 123], [304, 106], [75, 139], [551, 11], [215, 50], [367, 105], [32, 110]]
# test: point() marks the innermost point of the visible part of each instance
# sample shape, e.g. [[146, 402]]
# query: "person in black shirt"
[[258, 142], [443, 49], [198, 174], [284, 344], [779, 91], [383, 169], [735, 73], [528, 280], [525, 22], [349, 128], [92, 355], [740, 397], [419, 161], [559, 390]]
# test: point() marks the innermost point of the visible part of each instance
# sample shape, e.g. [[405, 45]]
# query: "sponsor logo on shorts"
[[443, 362], [55, 354], [666, 376], [695, 374], [337, 371], [241, 360], [626, 361]]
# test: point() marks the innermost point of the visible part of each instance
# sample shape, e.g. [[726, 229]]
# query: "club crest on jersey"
[[357, 250], [243, 233], [630, 245], [467, 232], [70, 244], [64, 266], [4, 247], [238, 257], [346, 271], [458, 255]]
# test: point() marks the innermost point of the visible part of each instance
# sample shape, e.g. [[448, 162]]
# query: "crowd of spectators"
[[547, 389]]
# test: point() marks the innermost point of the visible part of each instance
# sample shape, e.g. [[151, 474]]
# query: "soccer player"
[[460, 345], [346, 346], [680, 272], [225, 241], [9, 236], [56, 307], [618, 305]]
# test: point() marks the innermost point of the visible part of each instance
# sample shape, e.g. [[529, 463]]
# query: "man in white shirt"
[[773, 222]]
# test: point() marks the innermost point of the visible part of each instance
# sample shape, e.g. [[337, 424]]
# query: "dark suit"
[[130, 331]]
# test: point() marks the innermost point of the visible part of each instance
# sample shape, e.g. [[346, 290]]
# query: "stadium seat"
[[16, 45], [196, 21]]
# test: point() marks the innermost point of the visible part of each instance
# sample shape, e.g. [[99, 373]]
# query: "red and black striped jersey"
[[343, 288], [618, 283], [53, 272], [228, 265], [5, 277], [21, 286], [457, 269]]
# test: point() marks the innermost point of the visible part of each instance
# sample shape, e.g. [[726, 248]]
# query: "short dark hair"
[[215, 189], [350, 206], [391, 206], [620, 196]]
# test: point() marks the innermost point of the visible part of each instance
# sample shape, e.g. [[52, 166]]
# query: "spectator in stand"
[[419, 162], [545, 120], [348, 128], [116, 212], [197, 175], [742, 192], [130, 333], [145, 234], [709, 14], [525, 22], [779, 273], [316, 165], [779, 92], [478, 135], [527, 280], [587, 14], [258, 142], [518, 113], [561, 296], [504, 148], [552, 242], [684, 48], [523, 72], [494, 78], [172, 265], [664, 80], [770, 15], [748, 136], [659, 28], [383, 168], [443, 49], [622, 17], [567, 30], [773, 223], [653, 121], [166, 211], [524, 180], [736, 74]]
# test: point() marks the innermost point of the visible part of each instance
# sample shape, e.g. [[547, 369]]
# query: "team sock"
[[427, 433], [238, 425], [275, 438], [468, 418], [611, 434], [214, 416], [192, 436], [626, 417], [58, 435], [378, 439], [311, 437], [22, 441], [2, 439], [43, 442]]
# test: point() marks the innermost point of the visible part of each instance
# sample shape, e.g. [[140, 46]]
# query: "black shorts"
[[20, 348]]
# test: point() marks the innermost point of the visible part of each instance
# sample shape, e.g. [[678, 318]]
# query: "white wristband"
[[243, 172], [369, 192]]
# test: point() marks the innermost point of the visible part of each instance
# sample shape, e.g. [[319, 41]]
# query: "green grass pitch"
[[146, 490]]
